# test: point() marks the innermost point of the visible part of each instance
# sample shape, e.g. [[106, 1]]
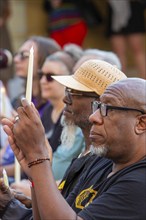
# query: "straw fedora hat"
[[92, 76]]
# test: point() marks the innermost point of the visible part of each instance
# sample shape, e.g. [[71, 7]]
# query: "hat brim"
[[71, 82]]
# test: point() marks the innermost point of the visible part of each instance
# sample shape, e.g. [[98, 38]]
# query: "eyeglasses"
[[22, 55], [104, 108], [47, 75], [70, 92]]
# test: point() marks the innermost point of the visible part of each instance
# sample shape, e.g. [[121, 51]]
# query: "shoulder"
[[120, 195]]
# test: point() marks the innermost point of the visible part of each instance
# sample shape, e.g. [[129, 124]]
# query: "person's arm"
[[36, 214], [50, 202], [48, 196]]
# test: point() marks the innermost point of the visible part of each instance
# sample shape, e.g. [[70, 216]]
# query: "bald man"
[[118, 133]]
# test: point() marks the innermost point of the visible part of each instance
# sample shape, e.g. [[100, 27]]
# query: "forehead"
[[113, 96], [54, 66]]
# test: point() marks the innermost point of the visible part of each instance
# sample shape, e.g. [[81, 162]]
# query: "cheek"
[[58, 89], [54, 90], [116, 131], [81, 113], [21, 70]]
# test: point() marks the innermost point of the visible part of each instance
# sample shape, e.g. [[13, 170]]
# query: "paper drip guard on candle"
[[30, 77]]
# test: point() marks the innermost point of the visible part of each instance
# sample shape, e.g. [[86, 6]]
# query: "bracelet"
[[37, 161], [31, 184]]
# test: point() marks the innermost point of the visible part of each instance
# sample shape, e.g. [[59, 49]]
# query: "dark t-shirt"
[[121, 196], [74, 172]]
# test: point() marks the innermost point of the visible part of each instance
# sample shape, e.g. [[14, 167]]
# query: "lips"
[[94, 135], [67, 111]]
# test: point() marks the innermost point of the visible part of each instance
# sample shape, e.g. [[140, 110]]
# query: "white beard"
[[100, 151], [68, 132]]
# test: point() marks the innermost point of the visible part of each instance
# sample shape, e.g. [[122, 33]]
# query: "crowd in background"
[[62, 53]]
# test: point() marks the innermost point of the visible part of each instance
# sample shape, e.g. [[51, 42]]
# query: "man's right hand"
[[25, 200], [5, 196]]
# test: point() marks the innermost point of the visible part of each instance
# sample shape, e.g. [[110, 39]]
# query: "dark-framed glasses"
[[104, 108], [70, 92], [22, 55], [47, 75]]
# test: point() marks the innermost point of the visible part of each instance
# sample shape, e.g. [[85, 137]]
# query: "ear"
[[140, 124]]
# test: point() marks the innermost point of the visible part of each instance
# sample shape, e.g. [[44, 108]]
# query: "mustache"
[[68, 110]]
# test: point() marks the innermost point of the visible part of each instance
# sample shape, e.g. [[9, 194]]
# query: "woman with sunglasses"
[[42, 48]]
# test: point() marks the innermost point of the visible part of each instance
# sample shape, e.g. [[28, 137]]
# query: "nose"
[[66, 100], [96, 118], [43, 79]]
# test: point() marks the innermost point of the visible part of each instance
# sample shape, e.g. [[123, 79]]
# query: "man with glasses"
[[102, 73], [118, 133]]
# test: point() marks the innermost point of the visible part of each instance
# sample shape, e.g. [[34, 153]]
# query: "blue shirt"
[[63, 156]]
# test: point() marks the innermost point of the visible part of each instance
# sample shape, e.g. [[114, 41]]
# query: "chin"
[[66, 119], [100, 150], [45, 95]]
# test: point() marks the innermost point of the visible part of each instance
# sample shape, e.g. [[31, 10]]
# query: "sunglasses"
[[22, 55], [47, 75]]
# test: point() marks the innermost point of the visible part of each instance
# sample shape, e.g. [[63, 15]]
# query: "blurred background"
[[28, 17]]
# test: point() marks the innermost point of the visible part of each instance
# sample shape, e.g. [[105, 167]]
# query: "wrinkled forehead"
[[128, 92], [114, 95]]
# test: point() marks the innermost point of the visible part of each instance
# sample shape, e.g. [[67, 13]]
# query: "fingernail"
[[24, 101]]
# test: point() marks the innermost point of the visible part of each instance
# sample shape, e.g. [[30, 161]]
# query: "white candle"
[[29, 77], [5, 178], [17, 171]]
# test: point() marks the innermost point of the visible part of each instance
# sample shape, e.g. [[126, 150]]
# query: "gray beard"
[[100, 151], [68, 132]]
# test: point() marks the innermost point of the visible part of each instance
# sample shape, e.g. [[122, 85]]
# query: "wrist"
[[34, 156], [37, 161]]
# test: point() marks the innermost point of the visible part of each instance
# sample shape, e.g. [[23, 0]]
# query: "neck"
[[120, 166]]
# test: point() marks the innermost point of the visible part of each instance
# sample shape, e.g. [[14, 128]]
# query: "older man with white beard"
[[78, 99], [71, 137], [64, 154]]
